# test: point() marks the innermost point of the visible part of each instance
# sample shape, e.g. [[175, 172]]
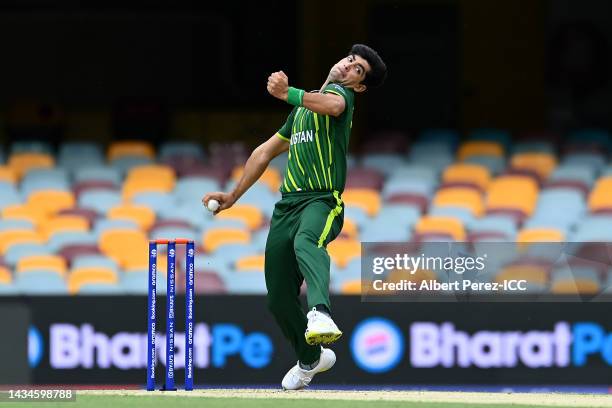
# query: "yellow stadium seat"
[[90, 275], [24, 212], [352, 287], [271, 177], [5, 275], [130, 148], [342, 251], [7, 174], [213, 238], [51, 201], [575, 287], [11, 237], [441, 225], [540, 235], [156, 171], [143, 216], [349, 229], [467, 173], [132, 187], [250, 263], [63, 223], [601, 194], [47, 262], [541, 163], [513, 192], [531, 273], [479, 148], [124, 245], [21, 163], [364, 198], [249, 214], [149, 178], [460, 197]]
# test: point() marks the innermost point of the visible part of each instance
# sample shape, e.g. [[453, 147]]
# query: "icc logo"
[[172, 252], [191, 252], [154, 252]]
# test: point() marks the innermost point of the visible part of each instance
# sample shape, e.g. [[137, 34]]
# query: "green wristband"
[[295, 96]]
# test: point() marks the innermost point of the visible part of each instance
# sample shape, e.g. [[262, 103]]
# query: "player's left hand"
[[278, 85]]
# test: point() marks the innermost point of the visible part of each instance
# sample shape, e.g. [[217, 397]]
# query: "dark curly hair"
[[378, 71]]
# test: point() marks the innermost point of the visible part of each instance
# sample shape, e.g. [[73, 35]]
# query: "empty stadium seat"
[[441, 225], [479, 148], [342, 251], [124, 245], [130, 148], [50, 201], [143, 216], [512, 193], [250, 263], [460, 197], [34, 262], [543, 163], [90, 275], [366, 199], [250, 215], [214, 238], [468, 173], [270, 177]]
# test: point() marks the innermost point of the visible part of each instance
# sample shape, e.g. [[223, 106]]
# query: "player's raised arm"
[[253, 169], [321, 103]]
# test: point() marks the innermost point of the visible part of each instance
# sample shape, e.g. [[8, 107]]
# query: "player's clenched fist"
[[278, 85]]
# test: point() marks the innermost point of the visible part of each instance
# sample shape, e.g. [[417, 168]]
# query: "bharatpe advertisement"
[[102, 340], [486, 271]]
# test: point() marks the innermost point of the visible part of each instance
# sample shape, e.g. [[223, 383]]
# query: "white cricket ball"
[[213, 205]]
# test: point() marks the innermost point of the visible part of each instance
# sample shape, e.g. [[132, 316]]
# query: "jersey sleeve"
[[347, 94], [285, 131]]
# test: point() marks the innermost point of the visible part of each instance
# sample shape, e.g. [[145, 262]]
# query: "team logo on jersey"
[[301, 137]]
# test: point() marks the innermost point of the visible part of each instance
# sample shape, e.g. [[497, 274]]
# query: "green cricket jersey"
[[318, 146]]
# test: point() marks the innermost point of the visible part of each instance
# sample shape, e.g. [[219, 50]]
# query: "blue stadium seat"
[[181, 148], [99, 261], [100, 200], [192, 212], [17, 251], [576, 172], [194, 188], [158, 202], [105, 224], [447, 136], [495, 164], [409, 185], [125, 163], [98, 173], [593, 160], [383, 162], [246, 282], [494, 223], [593, 229], [62, 239], [15, 224], [100, 289], [461, 213], [136, 282], [40, 283]]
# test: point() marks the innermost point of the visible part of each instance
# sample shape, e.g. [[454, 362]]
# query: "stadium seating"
[[86, 207]]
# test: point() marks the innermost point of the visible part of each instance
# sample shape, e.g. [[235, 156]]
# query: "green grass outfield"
[[231, 398]]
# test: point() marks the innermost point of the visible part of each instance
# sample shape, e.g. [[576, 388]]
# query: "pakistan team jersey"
[[318, 146]]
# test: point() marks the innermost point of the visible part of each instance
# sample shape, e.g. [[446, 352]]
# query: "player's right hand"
[[226, 200], [278, 85]]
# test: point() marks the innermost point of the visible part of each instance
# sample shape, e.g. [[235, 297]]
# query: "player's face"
[[352, 70]]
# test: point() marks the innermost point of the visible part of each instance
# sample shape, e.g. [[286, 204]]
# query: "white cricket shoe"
[[297, 378], [321, 329]]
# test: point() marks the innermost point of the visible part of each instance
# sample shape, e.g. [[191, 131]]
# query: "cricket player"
[[310, 214]]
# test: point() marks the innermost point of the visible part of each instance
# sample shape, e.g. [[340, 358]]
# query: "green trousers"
[[303, 223]]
